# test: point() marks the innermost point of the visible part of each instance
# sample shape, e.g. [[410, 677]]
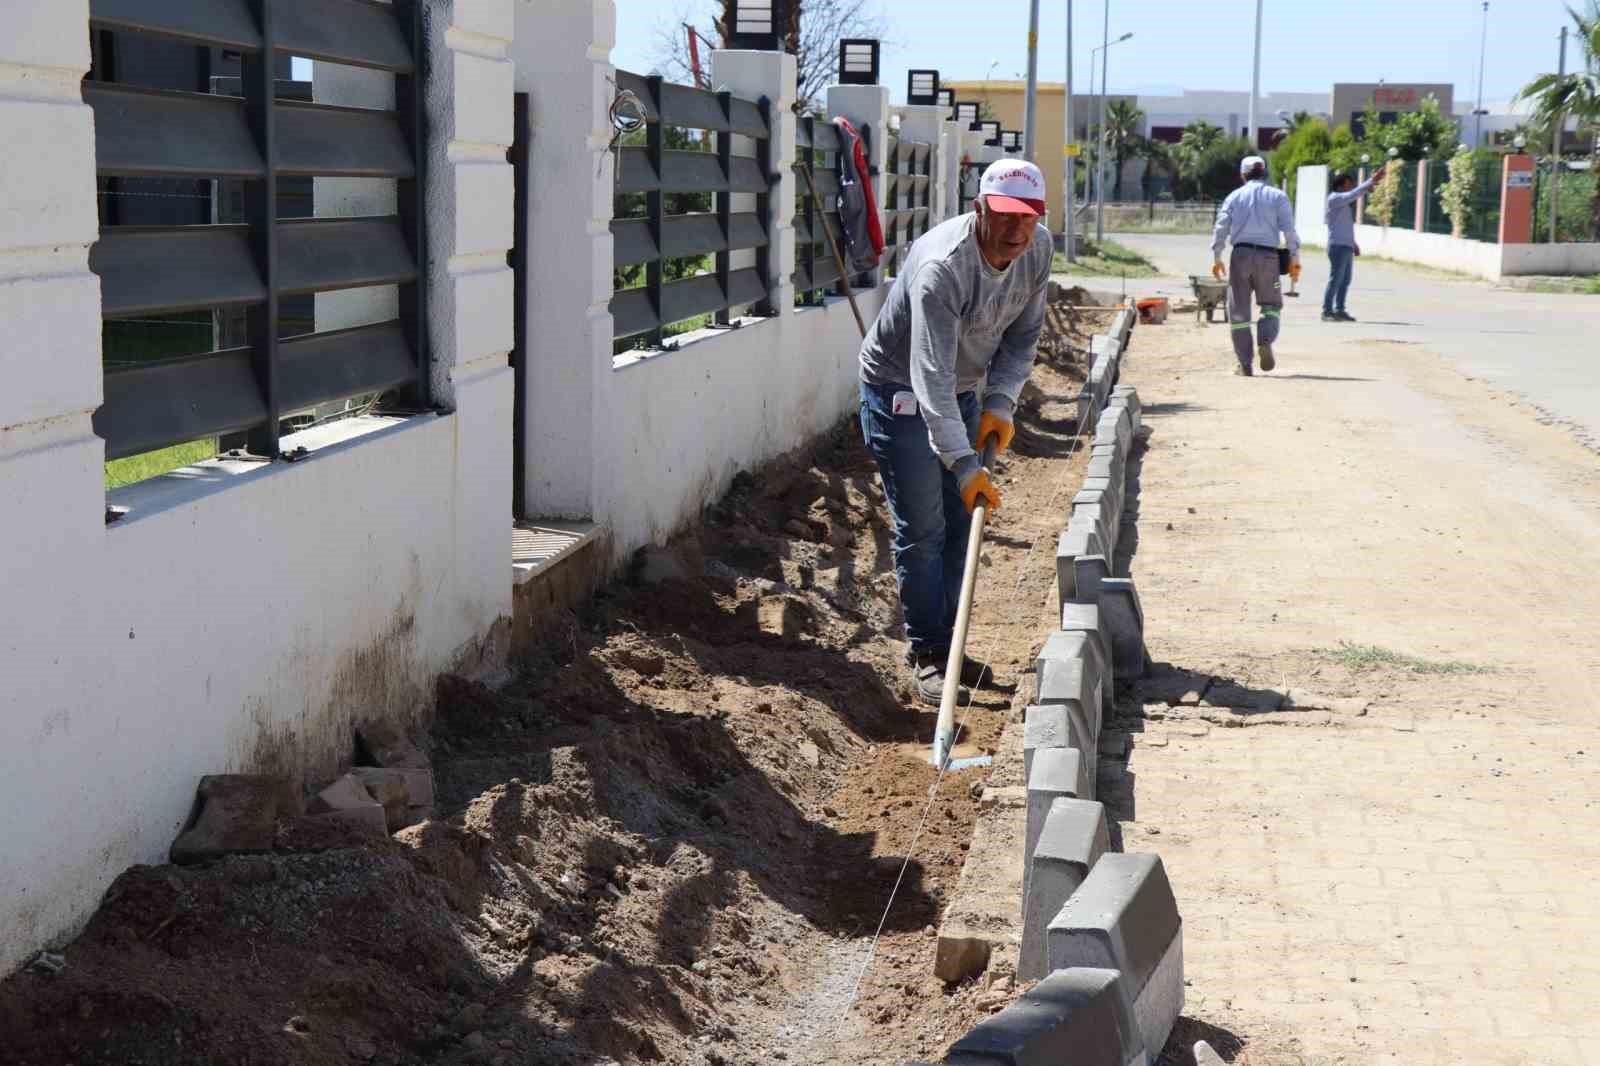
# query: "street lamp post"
[[1255, 82], [1483, 52], [1100, 160], [1069, 172], [1029, 137]]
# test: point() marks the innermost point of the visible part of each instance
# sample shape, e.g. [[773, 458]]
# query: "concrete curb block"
[[1084, 647], [1078, 1016], [1122, 621], [1066, 724], [1073, 544], [1057, 773], [1074, 837], [1124, 917], [1084, 617]]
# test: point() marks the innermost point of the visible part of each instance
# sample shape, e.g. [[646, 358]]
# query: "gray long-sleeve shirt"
[[951, 321], [1255, 213], [1341, 214]]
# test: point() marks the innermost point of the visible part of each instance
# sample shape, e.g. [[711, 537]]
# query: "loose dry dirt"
[[669, 839]]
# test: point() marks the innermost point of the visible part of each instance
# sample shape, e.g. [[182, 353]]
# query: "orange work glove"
[[991, 424], [1217, 269], [979, 485]]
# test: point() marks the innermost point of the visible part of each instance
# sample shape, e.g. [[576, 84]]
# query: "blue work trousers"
[[930, 521], [1341, 268]]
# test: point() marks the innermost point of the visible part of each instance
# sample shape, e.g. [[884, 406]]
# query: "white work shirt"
[[1255, 213]]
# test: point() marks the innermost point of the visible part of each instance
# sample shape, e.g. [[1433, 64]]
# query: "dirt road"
[[1415, 885]]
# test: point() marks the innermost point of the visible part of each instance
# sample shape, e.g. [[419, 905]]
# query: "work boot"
[[1343, 316], [1242, 371], [1329, 316], [927, 670], [1264, 354]]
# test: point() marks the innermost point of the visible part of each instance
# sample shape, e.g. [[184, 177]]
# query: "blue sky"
[[1307, 45]]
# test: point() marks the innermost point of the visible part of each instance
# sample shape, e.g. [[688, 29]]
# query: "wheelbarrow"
[[1209, 295]]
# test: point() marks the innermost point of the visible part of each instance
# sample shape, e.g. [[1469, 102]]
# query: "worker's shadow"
[[1312, 377]]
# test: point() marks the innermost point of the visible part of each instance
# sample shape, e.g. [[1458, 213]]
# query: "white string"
[[933, 791]]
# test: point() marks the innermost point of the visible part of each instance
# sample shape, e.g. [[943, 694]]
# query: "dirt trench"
[[669, 839]]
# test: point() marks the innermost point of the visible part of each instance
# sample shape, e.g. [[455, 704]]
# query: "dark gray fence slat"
[[827, 183], [634, 172], [178, 400], [695, 108], [337, 365], [746, 176], [631, 313], [684, 235], [747, 120], [746, 286], [323, 254], [826, 137], [149, 133], [224, 23], [350, 142], [145, 270], [353, 32], [690, 172], [690, 297]]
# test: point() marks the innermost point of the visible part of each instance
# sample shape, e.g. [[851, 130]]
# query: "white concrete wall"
[[1311, 203], [1550, 259], [242, 616]]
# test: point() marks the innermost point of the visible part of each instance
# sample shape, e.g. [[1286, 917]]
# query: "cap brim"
[[1011, 205]]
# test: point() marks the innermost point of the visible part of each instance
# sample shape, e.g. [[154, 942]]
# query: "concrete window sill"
[[685, 341], [192, 483]]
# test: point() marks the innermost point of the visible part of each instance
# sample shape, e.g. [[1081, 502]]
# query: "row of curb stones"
[[1101, 931]]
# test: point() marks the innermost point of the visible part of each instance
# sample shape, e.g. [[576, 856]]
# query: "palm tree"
[[1290, 124], [1575, 95], [1123, 122], [1158, 156], [1198, 137]]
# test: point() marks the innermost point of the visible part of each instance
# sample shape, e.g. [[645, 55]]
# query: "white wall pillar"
[[868, 105], [51, 562], [563, 61], [773, 75], [949, 170], [925, 123]]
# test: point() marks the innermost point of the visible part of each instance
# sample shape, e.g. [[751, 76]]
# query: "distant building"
[[1350, 100]]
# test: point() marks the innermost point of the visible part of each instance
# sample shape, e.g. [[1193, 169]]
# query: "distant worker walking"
[[1252, 217], [1342, 246]]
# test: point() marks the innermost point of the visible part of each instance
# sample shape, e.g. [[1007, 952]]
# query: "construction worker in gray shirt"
[[1342, 247], [941, 370], [1252, 217]]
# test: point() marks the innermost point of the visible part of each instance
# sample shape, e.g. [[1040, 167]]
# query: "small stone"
[[476, 1041], [471, 1016], [810, 753], [361, 1049]]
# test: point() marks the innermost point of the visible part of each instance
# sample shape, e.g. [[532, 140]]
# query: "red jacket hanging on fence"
[[874, 228]]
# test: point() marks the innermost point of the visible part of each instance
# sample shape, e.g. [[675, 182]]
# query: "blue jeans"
[[1342, 267], [930, 521]]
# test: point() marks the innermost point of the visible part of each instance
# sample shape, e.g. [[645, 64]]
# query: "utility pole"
[[1100, 157], [1029, 145], [1069, 182], [1555, 143], [1483, 52], [1255, 84]]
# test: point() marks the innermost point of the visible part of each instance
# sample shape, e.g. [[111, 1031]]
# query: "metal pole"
[[1100, 159], [1555, 144], [1255, 85], [1483, 52], [1069, 181], [1029, 147]]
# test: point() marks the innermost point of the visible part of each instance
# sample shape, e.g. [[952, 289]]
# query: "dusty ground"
[[1415, 885], [669, 840]]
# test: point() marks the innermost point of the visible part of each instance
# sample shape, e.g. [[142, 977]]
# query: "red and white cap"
[[1013, 186]]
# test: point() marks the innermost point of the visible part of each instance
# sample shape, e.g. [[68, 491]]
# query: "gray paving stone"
[[1073, 839], [1122, 619], [1124, 917], [1076, 1016], [1057, 773]]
